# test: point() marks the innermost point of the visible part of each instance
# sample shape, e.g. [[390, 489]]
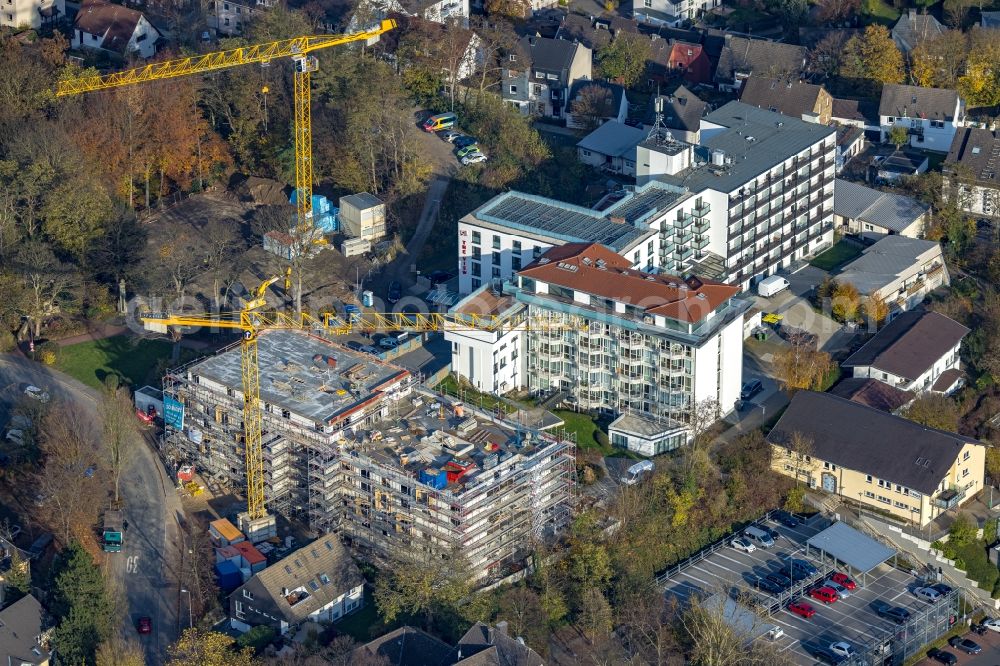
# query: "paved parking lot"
[[852, 619], [990, 656]]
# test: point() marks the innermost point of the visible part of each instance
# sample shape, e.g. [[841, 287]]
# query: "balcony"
[[949, 499], [683, 253], [701, 225], [682, 237], [684, 221], [700, 242], [702, 209]]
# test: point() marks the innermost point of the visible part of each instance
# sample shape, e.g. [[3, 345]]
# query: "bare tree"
[[120, 433], [68, 481], [224, 247], [120, 651], [796, 456], [46, 279], [496, 38], [718, 629], [592, 105]]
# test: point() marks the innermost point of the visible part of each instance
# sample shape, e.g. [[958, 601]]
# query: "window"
[[477, 269], [869, 494], [965, 456], [890, 120], [476, 283], [586, 153], [868, 478], [477, 253], [647, 3], [477, 238], [513, 90], [515, 262], [496, 242], [539, 75], [553, 77], [517, 246], [536, 91], [513, 57], [883, 499], [496, 272], [248, 594], [965, 472]]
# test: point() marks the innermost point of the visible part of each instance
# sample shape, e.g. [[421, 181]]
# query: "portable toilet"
[[367, 298]]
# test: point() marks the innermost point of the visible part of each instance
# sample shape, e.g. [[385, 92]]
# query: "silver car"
[[841, 591]]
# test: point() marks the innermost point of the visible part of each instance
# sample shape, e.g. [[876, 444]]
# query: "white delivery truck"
[[768, 287], [636, 472]]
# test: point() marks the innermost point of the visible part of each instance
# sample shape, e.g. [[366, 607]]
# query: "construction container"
[[363, 216], [228, 575], [185, 474], [355, 247], [435, 478]]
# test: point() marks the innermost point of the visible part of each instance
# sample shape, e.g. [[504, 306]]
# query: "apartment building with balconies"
[[621, 340]]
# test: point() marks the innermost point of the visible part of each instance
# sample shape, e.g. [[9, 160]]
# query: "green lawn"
[[882, 12], [836, 256], [359, 625], [472, 397], [135, 361], [585, 428]]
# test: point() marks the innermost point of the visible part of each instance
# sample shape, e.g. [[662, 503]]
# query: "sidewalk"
[[100, 331]]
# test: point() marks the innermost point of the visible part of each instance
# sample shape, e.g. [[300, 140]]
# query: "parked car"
[[941, 587], [395, 292], [768, 586], [463, 141], [750, 389], [450, 135], [966, 645], [388, 343], [785, 518], [368, 349], [803, 566], [843, 649], [739, 543], [841, 591], [441, 121], [36, 393], [928, 594], [991, 623], [473, 158], [15, 437], [894, 613], [827, 656], [353, 345], [781, 580], [802, 609], [467, 150], [942, 656], [144, 625], [771, 532], [843, 579], [825, 594]]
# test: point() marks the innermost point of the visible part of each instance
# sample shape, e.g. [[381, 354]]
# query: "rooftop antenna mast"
[[659, 135]]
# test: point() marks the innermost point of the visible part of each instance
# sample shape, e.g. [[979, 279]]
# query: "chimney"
[[502, 627], [913, 12]]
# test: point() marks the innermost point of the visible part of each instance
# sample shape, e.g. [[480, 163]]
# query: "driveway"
[[146, 566], [794, 306]]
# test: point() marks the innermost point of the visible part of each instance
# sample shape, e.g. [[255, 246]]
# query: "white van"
[[635, 472], [768, 287], [758, 536]]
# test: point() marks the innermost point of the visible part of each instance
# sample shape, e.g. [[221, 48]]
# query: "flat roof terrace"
[[306, 375]]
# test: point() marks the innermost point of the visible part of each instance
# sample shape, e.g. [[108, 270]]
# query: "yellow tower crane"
[[253, 318], [298, 49]]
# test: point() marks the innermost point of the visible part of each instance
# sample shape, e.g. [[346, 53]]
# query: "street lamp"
[[190, 612], [265, 90]]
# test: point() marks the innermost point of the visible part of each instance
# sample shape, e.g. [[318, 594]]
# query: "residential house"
[[889, 169], [872, 457], [862, 211], [971, 170], [898, 269], [690, 61], [539, 73], [483, 645], [854, 112], [106, 26], [31, 13], [850, 144], [460, 47], [583, 30], [229, 17], [873, 393], [22, 641], [913, 28], [616, 107], [790, 97], [645, 434], [611, 147], [917, 351], [406, 646], [682, 112], [670, 12], [931, 116], [742, 57], [316, 583]]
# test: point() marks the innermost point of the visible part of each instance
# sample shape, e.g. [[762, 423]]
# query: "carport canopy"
[[855, 549]]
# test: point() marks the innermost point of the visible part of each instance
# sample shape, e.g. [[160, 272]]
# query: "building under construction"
[[351, 445]]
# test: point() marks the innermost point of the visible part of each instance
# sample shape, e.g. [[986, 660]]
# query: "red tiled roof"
[[594, 269], [249, 553]]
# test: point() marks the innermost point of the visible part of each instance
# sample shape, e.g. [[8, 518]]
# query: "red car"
[[844, 580], [825, 594], [145, 625], [802, 608]]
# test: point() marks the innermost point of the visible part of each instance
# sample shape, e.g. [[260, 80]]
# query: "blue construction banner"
[[173, 413]]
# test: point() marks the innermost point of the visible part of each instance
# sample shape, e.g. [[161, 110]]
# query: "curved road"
[[147, 564]]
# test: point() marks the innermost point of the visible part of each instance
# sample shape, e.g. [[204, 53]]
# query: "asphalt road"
[[146, 564]]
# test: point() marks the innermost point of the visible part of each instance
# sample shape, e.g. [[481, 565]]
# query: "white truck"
[[635, 473], [770, 286]]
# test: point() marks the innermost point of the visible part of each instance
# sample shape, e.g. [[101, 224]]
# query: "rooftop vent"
[[543, 260], [751, 139], [702, 297]]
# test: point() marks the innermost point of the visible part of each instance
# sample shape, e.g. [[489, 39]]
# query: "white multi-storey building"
[[754, 195], [31, 13], [630, 341]]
